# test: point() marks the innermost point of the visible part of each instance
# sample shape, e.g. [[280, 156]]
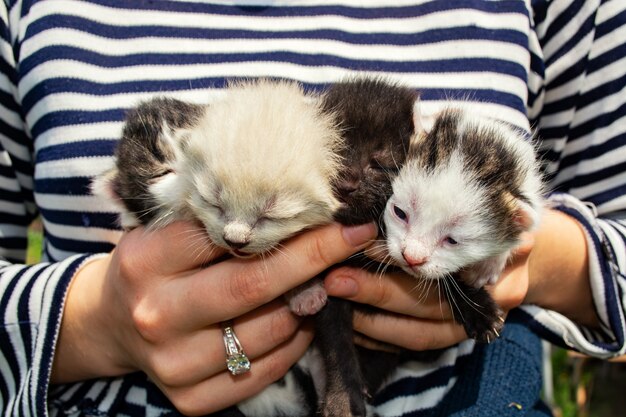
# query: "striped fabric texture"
[[69, 70]]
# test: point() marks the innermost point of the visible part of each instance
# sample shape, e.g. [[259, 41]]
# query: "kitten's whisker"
[[282, 250], [422, 287], [460, 291], [419, 284], [262, 256], [444, 285], [195, 240], [144, 198], [441, 301], [452, 298], [193, 233], [164, 219], [470, 302], [428, 287], [382, 268], [354, 256], [200, 252], [200, 243]]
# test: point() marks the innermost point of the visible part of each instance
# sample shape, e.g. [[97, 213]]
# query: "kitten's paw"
[[485, 272], [479, 314], [479, 279], [307, 300], [486, 329]]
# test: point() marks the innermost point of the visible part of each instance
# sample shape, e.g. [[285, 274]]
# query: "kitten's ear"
[[172, 142], [525, 216], [418, 125], [419, 130], [104, 185]]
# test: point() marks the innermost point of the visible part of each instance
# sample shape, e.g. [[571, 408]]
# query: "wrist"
[[86, 345], [559, 269]]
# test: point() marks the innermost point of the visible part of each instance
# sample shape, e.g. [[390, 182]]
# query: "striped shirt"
[[70, 69]]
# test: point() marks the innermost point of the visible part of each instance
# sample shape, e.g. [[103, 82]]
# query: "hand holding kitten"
[[414, 315], [158, 310]]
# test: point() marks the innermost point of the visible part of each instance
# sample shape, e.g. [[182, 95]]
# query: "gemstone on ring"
[[238, 364], [236, 360]]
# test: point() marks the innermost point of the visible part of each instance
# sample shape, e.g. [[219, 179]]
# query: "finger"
[[180, 246], [512, 287], [527, 241], [409, 332], [190, 359], [223, 390], [396, 292], [371, 344], [240, 285]]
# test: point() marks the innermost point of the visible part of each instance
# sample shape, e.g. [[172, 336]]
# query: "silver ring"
[[236, 360]]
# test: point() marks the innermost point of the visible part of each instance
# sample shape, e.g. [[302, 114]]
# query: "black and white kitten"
[[254, 167], [469, 187]]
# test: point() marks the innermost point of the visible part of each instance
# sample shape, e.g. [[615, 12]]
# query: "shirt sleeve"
[[576, 102], [31, 296]]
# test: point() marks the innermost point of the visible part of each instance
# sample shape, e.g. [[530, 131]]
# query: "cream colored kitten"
[[254, 167]]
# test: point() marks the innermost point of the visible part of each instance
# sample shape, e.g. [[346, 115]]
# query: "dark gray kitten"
[[378, 119]]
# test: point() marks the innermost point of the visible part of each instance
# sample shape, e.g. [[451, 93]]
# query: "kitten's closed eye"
[[161, 174], [378, 165]]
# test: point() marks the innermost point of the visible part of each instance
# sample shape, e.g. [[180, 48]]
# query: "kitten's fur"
[[377, 122], [379, 119], [254, 168], [145, 157], [468, 189]]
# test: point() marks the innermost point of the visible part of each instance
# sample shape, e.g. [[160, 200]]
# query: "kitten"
[[468, 189], [144, 159], [253, 168], [377, 121]]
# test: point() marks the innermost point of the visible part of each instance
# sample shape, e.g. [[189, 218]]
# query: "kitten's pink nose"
[[235, 245], [412, 262]]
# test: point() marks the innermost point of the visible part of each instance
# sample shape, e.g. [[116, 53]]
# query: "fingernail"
[[358, 235], [341, 286]]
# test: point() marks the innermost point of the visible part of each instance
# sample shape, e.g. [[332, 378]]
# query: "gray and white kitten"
[[253, 168], [469, 187]]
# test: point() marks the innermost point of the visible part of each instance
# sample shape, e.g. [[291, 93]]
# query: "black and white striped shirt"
[[70, 69]]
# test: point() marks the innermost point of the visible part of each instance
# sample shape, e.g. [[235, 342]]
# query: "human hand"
[[414, 314], [153, 305]]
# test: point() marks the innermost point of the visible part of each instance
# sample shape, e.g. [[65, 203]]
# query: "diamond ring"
[[236, 360]]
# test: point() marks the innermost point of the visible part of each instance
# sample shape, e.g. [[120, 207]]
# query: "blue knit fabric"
[[502, 379]]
